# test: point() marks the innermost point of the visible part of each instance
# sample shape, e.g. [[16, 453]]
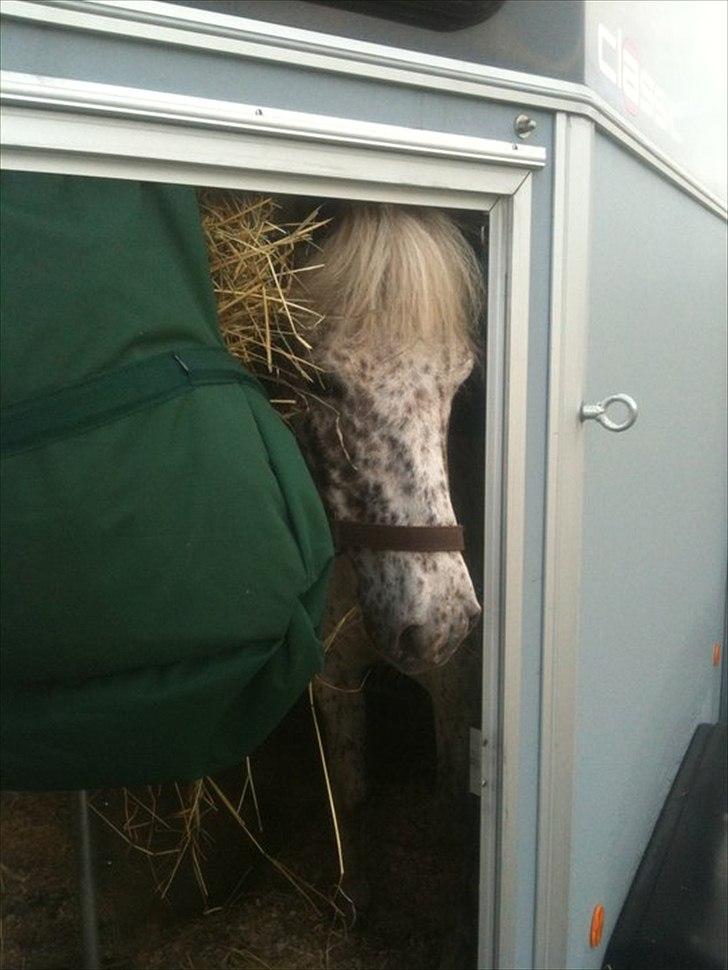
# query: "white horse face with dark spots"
[[400, 292], [393, 418]]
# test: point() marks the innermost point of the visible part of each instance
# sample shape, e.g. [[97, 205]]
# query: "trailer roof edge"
[[259, 40]]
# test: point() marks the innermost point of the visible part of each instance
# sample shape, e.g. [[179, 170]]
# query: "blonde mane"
[[390, 276]]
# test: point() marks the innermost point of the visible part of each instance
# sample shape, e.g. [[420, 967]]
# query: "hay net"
[[255, 258]]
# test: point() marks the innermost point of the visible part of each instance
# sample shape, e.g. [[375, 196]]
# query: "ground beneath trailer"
[[414, 877]]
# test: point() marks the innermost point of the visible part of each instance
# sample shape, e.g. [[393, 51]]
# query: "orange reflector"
[[716, 655], [597, 926]]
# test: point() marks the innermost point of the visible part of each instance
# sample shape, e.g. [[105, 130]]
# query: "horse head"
[[400, 293]]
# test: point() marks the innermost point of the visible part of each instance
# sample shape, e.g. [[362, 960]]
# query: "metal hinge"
[[478, 780]]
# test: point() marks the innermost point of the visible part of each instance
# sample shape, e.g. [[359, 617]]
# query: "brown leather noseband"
[[397, 538]]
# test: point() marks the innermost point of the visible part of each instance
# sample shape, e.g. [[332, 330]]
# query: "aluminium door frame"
[[71, 127]]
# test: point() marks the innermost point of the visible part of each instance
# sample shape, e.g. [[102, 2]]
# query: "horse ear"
[[295, 209], [331, 210], [328, 211]]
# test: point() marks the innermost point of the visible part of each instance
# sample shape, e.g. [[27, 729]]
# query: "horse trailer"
[[583, 144]]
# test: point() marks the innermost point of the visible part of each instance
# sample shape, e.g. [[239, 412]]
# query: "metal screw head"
[[524, 126]]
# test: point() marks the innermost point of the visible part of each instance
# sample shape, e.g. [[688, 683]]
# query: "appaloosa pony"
[[401, 293]]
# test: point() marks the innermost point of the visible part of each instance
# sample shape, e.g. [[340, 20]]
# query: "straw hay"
[[172, 837], [254, 267], [168, 838]]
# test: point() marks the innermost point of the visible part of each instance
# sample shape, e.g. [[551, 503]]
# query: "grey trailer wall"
[[654, 529], [148, 64]]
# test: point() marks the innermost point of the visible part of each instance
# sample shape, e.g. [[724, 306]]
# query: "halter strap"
[[399, 538]]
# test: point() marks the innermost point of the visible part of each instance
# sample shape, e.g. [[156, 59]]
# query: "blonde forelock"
[[391, 276]]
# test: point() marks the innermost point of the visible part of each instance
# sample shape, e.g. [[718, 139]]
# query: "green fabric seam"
[[112, 395]]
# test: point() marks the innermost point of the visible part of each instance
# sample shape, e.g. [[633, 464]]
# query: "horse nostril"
[[412, 640], [474, 615]]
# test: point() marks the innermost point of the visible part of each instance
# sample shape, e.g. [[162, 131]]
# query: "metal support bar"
[[87, 887]]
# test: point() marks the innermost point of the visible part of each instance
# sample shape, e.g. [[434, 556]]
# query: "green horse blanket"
[[165, 555]]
